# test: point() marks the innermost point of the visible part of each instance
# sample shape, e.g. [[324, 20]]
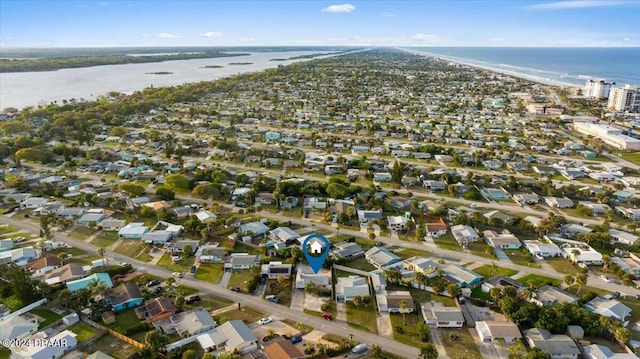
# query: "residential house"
[[464, 234], [381, 257], [434, 186], [349, 287], [461, 276], [365, 216], [347, 250], [283, 349], [78, 284], [69, 212], [311, 203], [182, 212], [631, 213], [253, 228], [205, 216], [502, 218], [243, 260], [597, 209], [185, 324], [622, 237], [33, 202], [382, 177], [91, 217], [420, 265], [112, 224], [397, 223], [393, 301], [125, 296], [438, 316], [19, 256], [276, 269], [498, 332], [492, 194], [283, 234], [610, 308], [526, 198], [305, 275], [558, 345], [18, 327], [6, 244], [582, 253], [401, 203], [597, 351], [544, 249], [41, 266], [559, 202], [133, 230], [177, 247], [501, 282], [504, 240], [231, 336], [65, 273], [436, 229], [209, 253], [156, 309], [40, 348], [157, 237], [342, 206], [265, 198], [547, 296]]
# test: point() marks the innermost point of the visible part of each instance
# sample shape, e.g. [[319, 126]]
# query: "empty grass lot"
[[487, 271], [538, 280], [112, 346], [563, 265], [409, 335], [81, 232], [134, 249], [411, 252], [463, 348], [210, 272], [362, 317], [182, 266], [246, 314], [83, 331], [105, 239], [239, 278], [48, 316], [124, 319], [282, 290], [521, 257]]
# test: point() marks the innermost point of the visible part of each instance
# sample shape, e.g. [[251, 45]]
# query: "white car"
[[605, 278], [177, 274], [265, 320]]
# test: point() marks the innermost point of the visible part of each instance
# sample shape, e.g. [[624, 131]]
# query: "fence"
[[120, 336], [24, 309]]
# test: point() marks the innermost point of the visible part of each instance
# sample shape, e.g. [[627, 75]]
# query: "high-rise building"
[[597, 88], [624, 99]]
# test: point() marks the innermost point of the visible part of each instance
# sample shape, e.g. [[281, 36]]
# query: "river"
[[22, 89]]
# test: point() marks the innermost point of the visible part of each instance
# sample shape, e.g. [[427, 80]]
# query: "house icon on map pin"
[[316, 248]]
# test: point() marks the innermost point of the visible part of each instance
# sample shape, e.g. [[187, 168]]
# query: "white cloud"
[[339, 8], [166, 35], [424, 37], [387, 14], [578, 4], [212, 34], [496, 39], [247, 39]]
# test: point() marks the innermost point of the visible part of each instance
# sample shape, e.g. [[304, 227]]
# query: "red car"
[[327, 316]]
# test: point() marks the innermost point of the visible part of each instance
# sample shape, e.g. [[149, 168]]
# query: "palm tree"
[[581, 279], [64, 296], [493, 268], [403, 308], [101, 251], [606, 259]]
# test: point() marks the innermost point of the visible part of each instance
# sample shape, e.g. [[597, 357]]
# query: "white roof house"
[[623, 237], [609, 308], [305, 274], [17, 327], [283, 234], [351, 286], [559, 346], [549, 249], [19, 256], [582, 254], [40, 349], [230, 336], [597, 351], [255, 228], [464, 234], [133, 230]]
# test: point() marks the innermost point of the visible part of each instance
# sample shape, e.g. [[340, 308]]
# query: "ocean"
[[568, 66]]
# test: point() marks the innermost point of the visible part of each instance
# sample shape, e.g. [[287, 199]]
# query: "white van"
[[360, 348]]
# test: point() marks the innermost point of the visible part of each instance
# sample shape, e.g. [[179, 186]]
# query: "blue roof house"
[[133, 230], [76, 285]]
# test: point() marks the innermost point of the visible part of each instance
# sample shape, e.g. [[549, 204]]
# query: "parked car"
[[176, 259], [360, 348], [295, 339], [272, 298], [123, 264], [192, 269], [156, 291], [583, 266], [327, 316], [177, 274], [615, 295], [263, 280], [153, 283], [235, 289], [191, 298], [605, 278], [265, 320], [119, 276]]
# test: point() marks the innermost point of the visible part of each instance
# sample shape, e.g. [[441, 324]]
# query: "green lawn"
[[420, 296], [411, 252], [360, 263], [105, 239], [332, 309], [538, 280], [563, 265], [210, 272], [5, 353], [521, 257], [81, 232], [74, 251], [124, 319], [409, 335], [133, 248], [362, 317], [182, 266], [463, 348], [629, 156], [447, 241], [281, 290], [487, 271], [303, 328], [5, 228], [49, 316], [246, 314], [83, 331], [478, 293], [239, 279]]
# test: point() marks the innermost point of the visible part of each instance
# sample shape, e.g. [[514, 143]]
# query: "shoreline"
[[532, 78]]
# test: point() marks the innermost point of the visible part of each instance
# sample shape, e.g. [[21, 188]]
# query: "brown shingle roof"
[[283, 349]]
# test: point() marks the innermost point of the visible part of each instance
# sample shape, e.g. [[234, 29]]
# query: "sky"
[[601, 23]]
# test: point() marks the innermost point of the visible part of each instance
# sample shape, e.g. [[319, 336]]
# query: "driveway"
[[341, 311], [436, 339], [225, 279], [297, 299], [488, 350], [384, 326], [502, 256]]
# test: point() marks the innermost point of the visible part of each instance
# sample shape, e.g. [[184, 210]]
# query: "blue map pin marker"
[[316, 249]]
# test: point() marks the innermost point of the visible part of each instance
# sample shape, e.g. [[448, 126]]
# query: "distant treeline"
[[310, 56], [52, 64]]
